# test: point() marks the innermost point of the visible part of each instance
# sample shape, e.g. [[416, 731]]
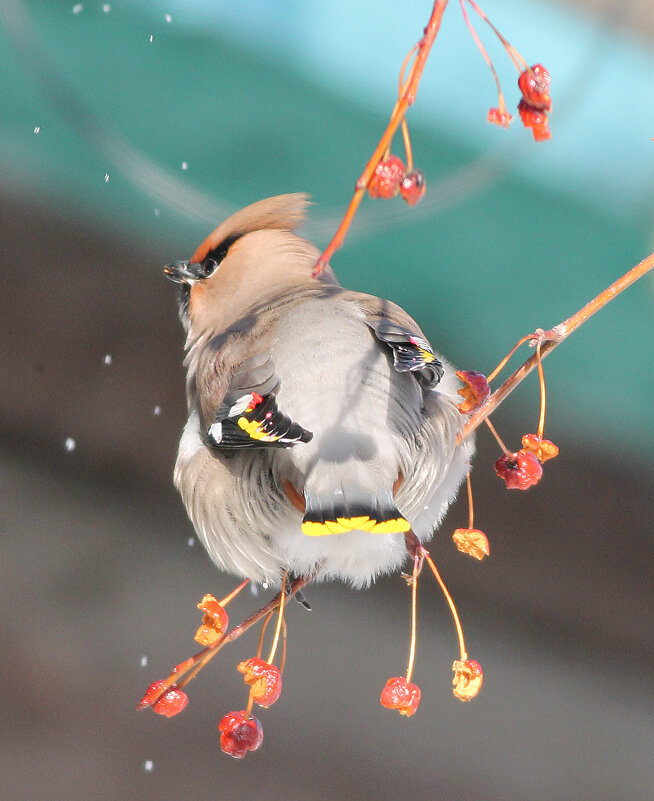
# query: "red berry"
[[534, 83], [536, 120], [499, 117], [169, 702], [385, 181], [474, 393], [264, 679], [239, 733], [400, 694], [519, 470], [413, 187]]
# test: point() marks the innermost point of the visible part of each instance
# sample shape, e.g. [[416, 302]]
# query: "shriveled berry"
[[536, 120], [400, 694], [264, 679], [468, 678], [240, 733], [386, 179], [474, 392], [499, 117], [543, 449], [214, 621], [519, 470], [534, 83], [471, 541], [413, 187]]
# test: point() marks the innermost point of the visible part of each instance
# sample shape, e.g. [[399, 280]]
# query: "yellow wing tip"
[[343, 525]]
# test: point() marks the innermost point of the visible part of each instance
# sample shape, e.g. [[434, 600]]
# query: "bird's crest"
[[284, 212]]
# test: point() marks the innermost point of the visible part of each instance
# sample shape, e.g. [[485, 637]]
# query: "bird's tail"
[[351, 510]]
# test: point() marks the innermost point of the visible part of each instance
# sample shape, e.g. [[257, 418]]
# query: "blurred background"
[[128, 131]]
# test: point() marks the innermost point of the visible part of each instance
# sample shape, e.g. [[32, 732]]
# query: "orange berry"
[[471, 541], [214, 621], [543, 449], [468, 678], [264, 679]]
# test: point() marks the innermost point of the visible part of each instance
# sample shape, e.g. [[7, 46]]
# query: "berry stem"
[[552, 338], [417, 567], [543, 397], [408, 98], [263, 632], [500, 442], [471, 508], [484, 53], [514, 55], [282, 661], [280, 619], [448, 598], [234, 593], [501, 365]]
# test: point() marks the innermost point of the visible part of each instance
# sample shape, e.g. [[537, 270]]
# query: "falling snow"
[[106, 177], [185, 165], [144, 661], [148, 765], [70, 444], [157, 411], [77, 8], [37, 129], [151, 38], [190, 542], [108, 359], [168, 18], [106, 7], [157, 212]]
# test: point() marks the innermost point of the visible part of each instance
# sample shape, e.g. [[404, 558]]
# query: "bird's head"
[[253, 255]]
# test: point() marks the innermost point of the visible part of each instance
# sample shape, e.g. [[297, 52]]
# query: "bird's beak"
[[181, 272]]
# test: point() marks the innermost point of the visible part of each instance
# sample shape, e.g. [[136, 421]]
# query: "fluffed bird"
[[322, 425]]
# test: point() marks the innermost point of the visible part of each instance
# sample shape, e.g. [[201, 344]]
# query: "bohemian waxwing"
[[322, 425]]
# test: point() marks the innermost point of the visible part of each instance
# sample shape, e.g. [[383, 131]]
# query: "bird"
[[322, 425]]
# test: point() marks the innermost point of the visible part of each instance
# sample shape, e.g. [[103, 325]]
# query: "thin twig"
[[401, 107], [554, 337]]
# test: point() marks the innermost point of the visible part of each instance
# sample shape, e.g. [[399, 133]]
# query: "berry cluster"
[[534, 83], [392, 177]]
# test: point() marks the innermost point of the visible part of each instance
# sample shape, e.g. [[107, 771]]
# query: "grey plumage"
[[367, 411]]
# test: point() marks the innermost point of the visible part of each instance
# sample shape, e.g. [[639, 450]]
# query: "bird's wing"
[[395, 328], [236, 393]]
